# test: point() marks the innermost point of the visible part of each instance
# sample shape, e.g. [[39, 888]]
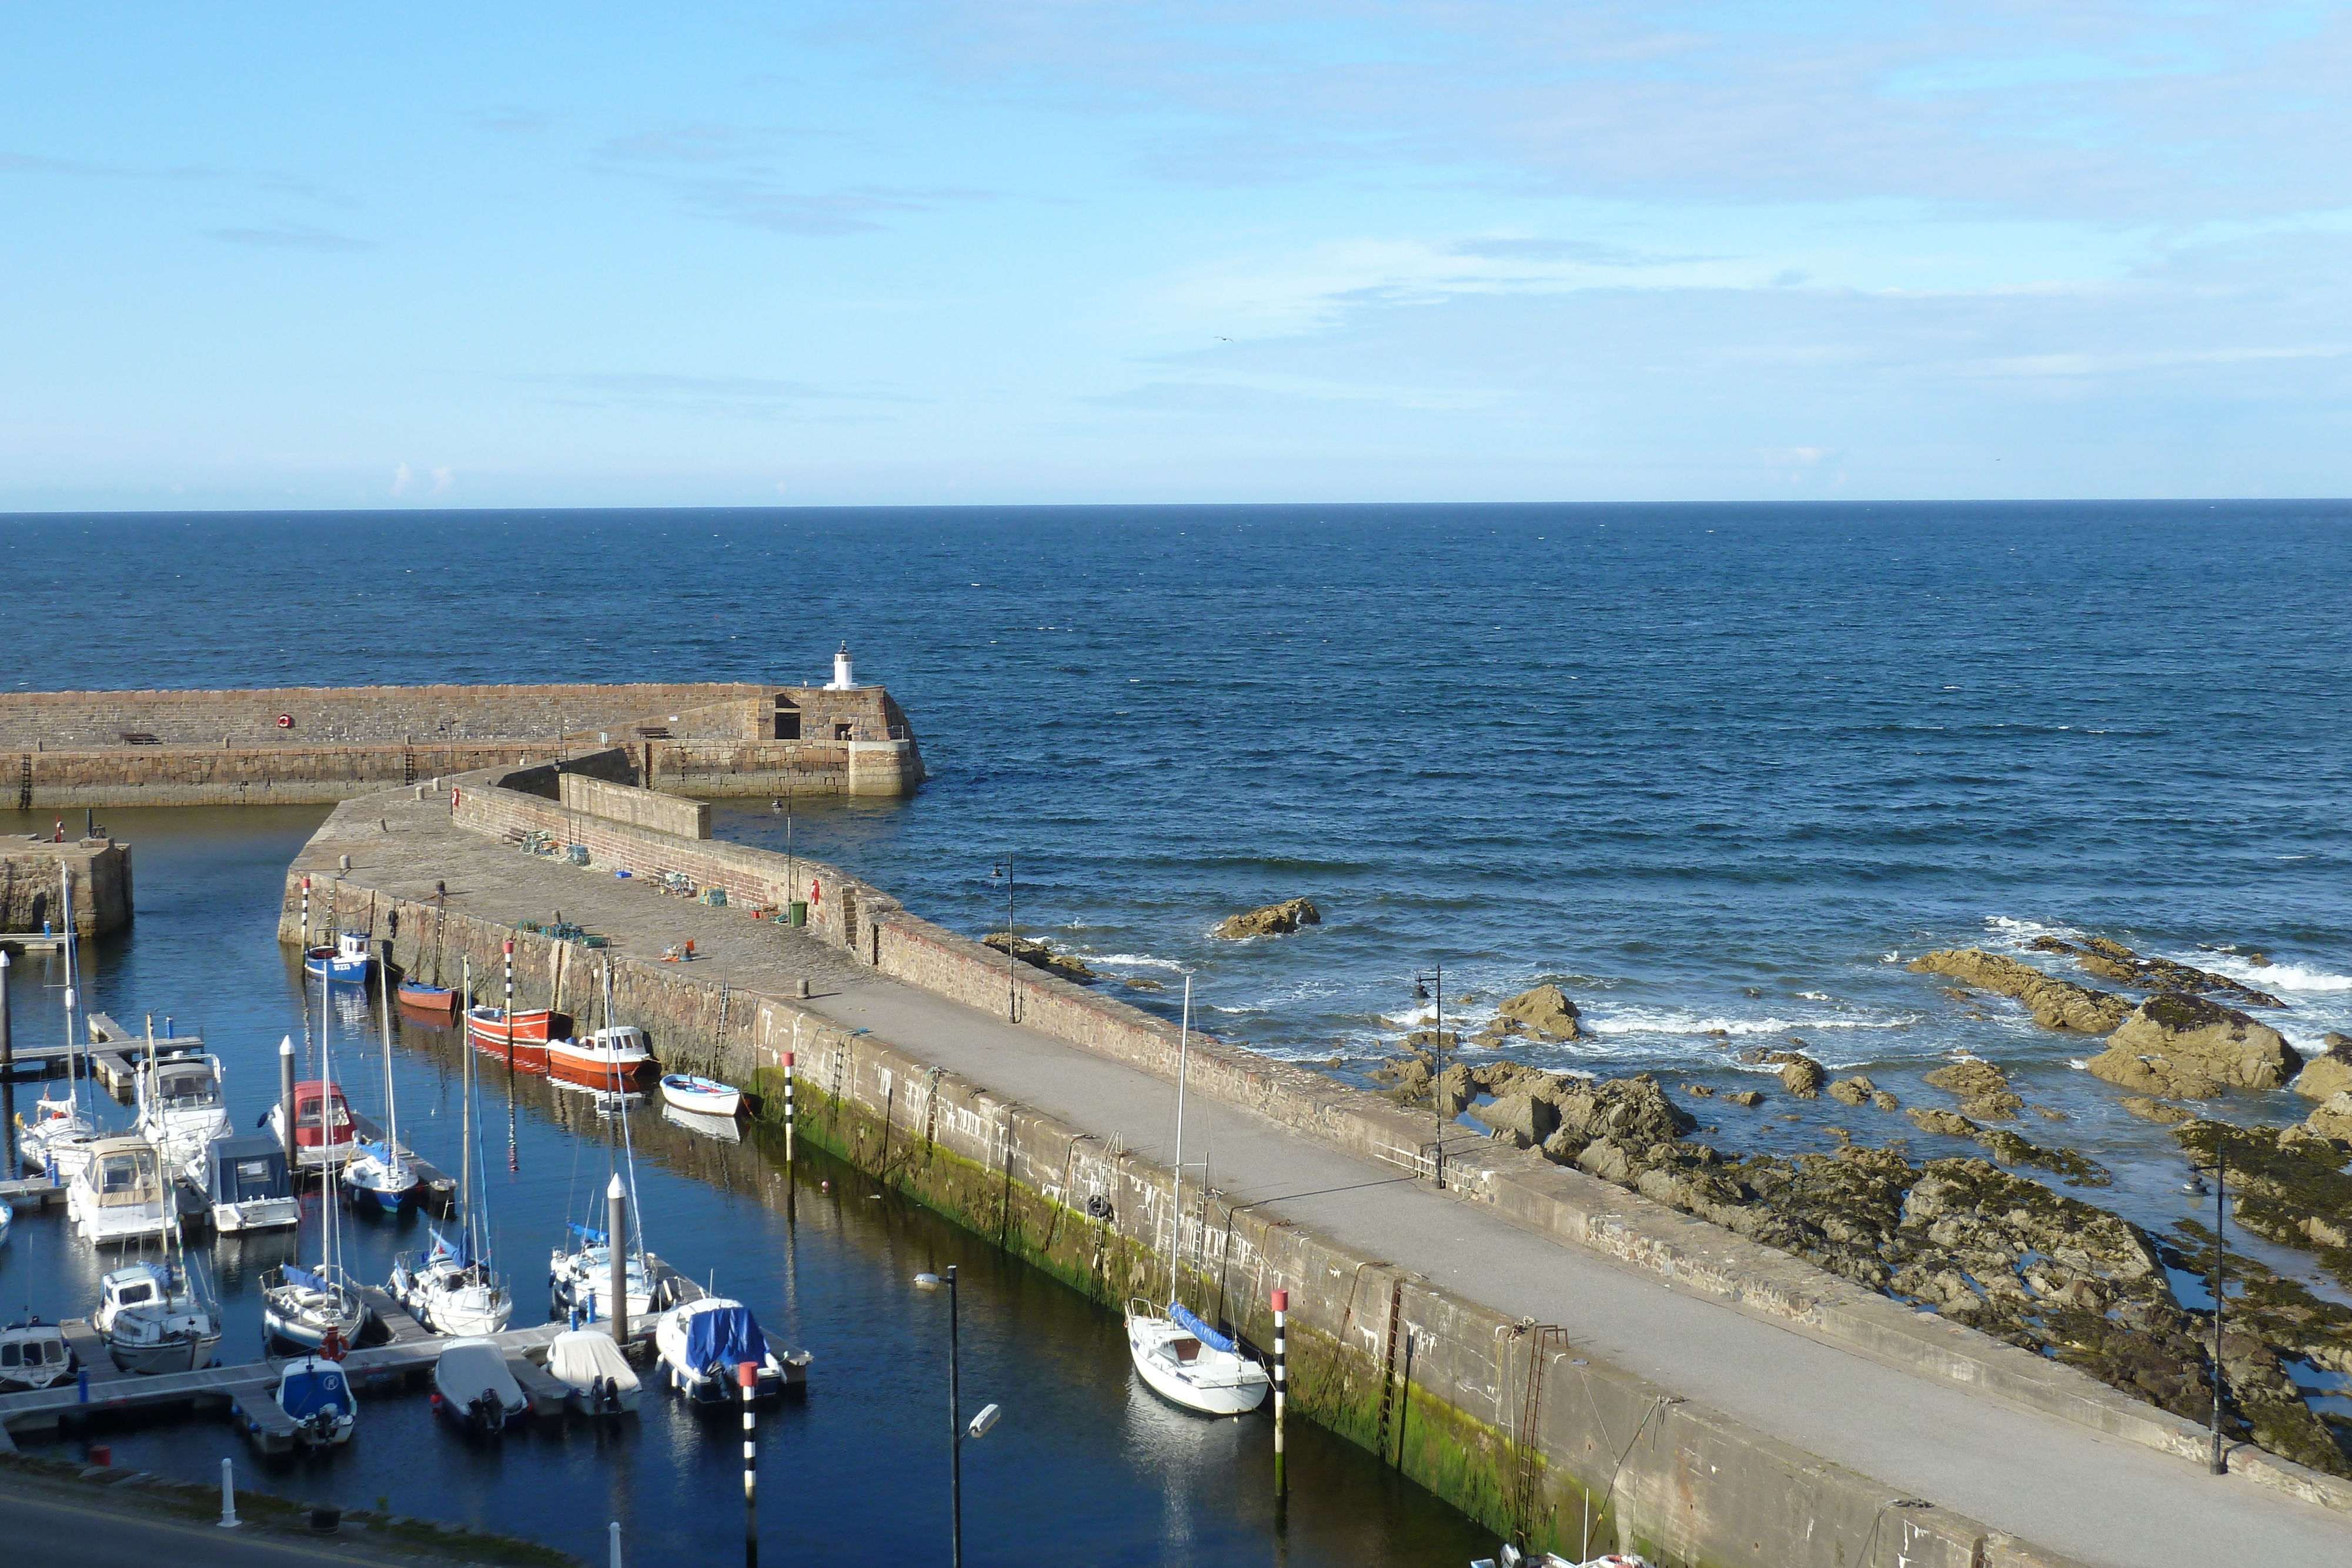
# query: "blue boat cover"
[[380, 1151], [588, 1233], [460, 1252], [305, 1393], [728, 1335], [1196, 1328], [303, 1280]]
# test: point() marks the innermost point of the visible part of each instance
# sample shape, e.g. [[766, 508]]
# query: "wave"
[[1134, 960], [1661, 1021], [2299, 977]]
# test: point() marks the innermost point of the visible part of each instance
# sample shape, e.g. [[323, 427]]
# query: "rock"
[[1803, 1077], [1432, 1039], [2325, 1076], [1545, 1012], [1273, 920], [2188, 1047], [1699, 1091], [1138, 983], [1525, 1119], [2009, 1148], [2148, 1110], [1456, 1089], [2334, 1117], [1885, 1100], [2291, 1186], [1748, 1097], [2055, 1003], [1410, 1077], [1982, 1087], [2113, 961], [1856, 1090], [1950, 1123], [2052, 1113], [1041, 956], [1632, 1111]]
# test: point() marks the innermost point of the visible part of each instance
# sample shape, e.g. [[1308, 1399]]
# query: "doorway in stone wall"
[[788, 719]]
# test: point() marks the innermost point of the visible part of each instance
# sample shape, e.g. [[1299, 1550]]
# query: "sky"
[[1053, 251]]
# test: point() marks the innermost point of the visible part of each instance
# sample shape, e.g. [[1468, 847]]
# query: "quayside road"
[[2059, 1486]]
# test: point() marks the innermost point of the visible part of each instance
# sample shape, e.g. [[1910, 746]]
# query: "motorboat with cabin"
[[248, 1186], [316, 1393], [702, 1344], [473, 1387], [122, 1194], [323, 1131], [181, 1110], [611, 1058], [154, 1320], [599, 1378], [34, 1356], [342, 961]]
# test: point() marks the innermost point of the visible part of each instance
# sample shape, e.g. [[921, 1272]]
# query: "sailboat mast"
[[327, 1175], [73, 978], [1176, 1203], [391, 1101], [465, 1093]]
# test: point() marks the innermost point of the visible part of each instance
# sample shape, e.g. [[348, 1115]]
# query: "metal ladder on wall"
[[408, 767], [25, 782]]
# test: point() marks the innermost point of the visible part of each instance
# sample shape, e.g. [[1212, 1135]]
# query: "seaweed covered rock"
[[1526, 1119], [2113, 961], [2055, 1003], [1273, 920], [2188, 1047], [2291, 1185], [2010, 1149], [1983, 1089], [1041, 956]]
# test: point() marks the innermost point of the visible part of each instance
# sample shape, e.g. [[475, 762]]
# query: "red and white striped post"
[[1281, 1386], [748, 1373]]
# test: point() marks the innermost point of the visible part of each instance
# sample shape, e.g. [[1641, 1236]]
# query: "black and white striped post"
[[1281, 1387], [306, 920], [748, 1373], [509, 1004], [788, 1113]]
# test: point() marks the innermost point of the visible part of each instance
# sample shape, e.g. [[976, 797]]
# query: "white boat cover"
[[470, 1367], [578, 1358]]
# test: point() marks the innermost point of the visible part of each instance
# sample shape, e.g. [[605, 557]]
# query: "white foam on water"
[[1134, 960], [2298, 977], [2012, 936], [1814, 996], [1660, 1020]]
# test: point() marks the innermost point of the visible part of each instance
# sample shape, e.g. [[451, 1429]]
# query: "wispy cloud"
[[735, 174], [291, 237]]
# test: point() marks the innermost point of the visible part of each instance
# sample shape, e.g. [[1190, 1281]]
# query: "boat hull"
[[701, 1096], [323, 963], [189, 1352], [434, 999], [595, 1071], [261, 1214], [1218, 1383]]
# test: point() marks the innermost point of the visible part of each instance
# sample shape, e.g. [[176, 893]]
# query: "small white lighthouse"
[[843, 680]]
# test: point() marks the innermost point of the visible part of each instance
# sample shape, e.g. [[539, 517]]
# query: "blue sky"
[[920, 251]]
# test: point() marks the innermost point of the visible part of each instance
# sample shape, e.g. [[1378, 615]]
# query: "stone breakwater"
[[1027, 1180], [294, 745]]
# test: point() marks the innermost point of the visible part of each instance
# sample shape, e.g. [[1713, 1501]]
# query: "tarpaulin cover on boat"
[[728, 1335], [588, 1233], [307, 1392], [578, 1358], [303, 1280], [460, 1252], [1196, 1328], [470, 1367], [380, 1151]]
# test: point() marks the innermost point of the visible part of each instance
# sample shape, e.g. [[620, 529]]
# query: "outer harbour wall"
[[299, 744], [1500, 1417]]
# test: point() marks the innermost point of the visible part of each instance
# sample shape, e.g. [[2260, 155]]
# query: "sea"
[[1719, 772]]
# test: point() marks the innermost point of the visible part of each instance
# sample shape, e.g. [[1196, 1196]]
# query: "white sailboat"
[[1181, 1358], [457, 1289], [378, 1176], [580, 1276], [316, 1308], [58, 1141], [180, 1111]]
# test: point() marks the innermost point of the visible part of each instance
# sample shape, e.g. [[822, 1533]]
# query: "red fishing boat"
[[521, 1037], [438, 1001], [609, 1059]]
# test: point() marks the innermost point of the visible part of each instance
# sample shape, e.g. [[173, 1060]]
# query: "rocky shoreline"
[[2002, 1251]]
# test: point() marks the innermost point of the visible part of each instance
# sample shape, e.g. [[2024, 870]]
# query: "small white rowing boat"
[[703, 1097]]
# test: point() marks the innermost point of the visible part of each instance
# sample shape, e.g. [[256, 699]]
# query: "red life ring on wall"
[[286, 721], [817, 891]]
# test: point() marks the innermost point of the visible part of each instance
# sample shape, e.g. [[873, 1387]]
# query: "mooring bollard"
[[616, 1544], [749, 1372], [81, 1387], [616, 1246], [228, 1494], [286, 1104], [1281, 1387]]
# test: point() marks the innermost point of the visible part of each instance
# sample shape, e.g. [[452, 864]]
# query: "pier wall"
[[30, 895], [637, 808], [1499, 1418], [229, 747]]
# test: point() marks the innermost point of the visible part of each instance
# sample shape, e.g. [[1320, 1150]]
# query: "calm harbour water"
[[1717, 770]]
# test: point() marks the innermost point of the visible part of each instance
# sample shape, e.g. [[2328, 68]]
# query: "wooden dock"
[[36, 1192]]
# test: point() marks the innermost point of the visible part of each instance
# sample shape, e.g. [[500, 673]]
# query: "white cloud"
[[402, 479], [442, 479]]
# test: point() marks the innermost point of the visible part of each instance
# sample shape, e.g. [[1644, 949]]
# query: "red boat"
[[521, 1039], [313, 1145], [424, 999], [609, 1059]]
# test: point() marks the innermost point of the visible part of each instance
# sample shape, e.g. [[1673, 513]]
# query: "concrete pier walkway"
[[2054, 1483]]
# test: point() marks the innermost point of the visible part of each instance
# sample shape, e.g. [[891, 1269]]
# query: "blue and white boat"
[[704, 1343], [345, 963], [378, 1180], [315, 1393]]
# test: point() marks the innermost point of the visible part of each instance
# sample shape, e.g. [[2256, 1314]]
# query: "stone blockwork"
[[1437, 1383], [31, 890], [319, 744], [637, 808]]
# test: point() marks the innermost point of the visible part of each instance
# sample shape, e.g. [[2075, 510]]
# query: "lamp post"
[[958, 1430], [1003, 870], [2221, 1461], [1422, 988]]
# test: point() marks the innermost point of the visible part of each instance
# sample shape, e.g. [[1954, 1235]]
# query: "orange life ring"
[[332, 1347], [286, 721]]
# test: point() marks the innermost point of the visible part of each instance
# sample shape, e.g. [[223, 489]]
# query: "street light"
[[2219, 1462], [1421, 986], [1002, 871], [957, 1431]]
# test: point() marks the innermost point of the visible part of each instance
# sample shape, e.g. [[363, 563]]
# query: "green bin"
[[796, 913]]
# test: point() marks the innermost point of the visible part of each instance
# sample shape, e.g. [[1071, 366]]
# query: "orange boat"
[[609, 1059], [520, 1039]]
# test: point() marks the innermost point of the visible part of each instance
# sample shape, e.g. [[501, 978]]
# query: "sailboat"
[[1182, 1358], [58, 1141], [456, 1290], [158, 1317], [180, 1111], [580, 1276], [316, 1308], [377, 1176]]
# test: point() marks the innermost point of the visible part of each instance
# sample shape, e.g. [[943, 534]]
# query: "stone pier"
[[30, 886]]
